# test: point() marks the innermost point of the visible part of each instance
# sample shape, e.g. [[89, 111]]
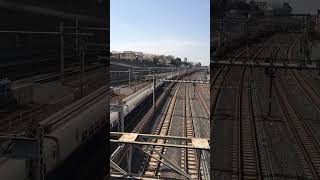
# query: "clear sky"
[[171, 27]]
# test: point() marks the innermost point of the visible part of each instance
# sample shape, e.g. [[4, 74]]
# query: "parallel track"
[[188, 160], [191, 155], [246, 154], [306, 144], [163, 129], [249, 164]]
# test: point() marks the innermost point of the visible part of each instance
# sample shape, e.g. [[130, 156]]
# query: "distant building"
[[132, 55], [116, 55], [128, 55]]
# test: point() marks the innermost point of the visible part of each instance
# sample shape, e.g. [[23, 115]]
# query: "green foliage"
[[155, 60], [176, 62]]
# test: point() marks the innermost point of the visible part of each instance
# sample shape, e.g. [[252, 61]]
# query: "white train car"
[[137, 98], [72, 134], [70, 128]]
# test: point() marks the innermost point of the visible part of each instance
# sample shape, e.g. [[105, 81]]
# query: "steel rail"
[[198, 128], [163, 129], [307, 145], [249, 165], [191, 155], [141, 125]]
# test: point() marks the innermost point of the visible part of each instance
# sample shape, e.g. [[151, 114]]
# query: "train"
[[64, 132], [31, 45], [70, 128], [137, 98]]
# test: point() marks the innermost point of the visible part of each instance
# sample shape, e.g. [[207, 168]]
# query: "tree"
[[155, 60], [198, 64], [176, 62]]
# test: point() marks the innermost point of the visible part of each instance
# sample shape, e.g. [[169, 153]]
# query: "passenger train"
[[70, 128]]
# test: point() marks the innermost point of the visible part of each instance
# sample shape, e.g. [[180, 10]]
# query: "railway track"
[[306, 145], [141, 125], [152, 164], [201, 126], [147, 117], [201, 90], [120, 152], [246, 162], [20, 120], [249, 165], [218, 80], [188, 159], [72, 110], [191, 155], [246, 159], [68, 72], [308, 90]]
